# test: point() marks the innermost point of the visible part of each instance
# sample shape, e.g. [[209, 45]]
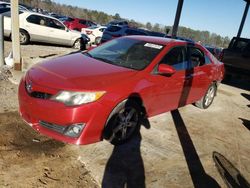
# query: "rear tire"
[[98, 40], [123, 122], [208, 98]]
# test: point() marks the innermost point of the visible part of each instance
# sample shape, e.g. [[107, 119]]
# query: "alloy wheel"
[[209, 96], [125, 123]]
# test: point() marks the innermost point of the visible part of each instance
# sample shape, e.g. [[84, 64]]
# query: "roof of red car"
[[158, 40]]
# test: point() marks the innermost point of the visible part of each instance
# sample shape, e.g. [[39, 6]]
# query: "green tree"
[[117, 16]]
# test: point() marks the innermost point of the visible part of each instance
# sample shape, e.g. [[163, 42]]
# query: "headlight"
[[71, 98]]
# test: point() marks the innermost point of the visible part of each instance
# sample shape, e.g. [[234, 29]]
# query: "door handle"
[[188, 77]]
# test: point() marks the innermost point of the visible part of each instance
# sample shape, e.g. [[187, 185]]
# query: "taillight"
[[88, 32]]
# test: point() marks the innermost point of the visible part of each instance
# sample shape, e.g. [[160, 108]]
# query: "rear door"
[[200, 73], [58, 33]]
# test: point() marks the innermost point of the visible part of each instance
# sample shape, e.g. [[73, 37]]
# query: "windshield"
[[127, 52]]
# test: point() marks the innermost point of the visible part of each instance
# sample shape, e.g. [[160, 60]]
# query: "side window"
[[247, 50], [196, 57], [102, 29], [83, 22], [34, 19], [54, 24], [239, 45], [177, 58], [207, 60]]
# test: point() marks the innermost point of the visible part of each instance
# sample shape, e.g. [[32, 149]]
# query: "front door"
[[170, 92]]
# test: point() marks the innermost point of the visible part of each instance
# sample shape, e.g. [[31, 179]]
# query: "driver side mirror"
[[166, 70]]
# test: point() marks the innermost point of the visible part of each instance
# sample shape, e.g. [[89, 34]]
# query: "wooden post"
[[1, 41], [15, 35]]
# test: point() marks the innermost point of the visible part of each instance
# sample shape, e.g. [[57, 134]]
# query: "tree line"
[[103, 18]]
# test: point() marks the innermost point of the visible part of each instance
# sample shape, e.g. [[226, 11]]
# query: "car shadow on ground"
[[125, 166], [246, 122], [238, 83], [198, 174], [231, 175]]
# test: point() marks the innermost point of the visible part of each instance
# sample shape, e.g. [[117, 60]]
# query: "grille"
[[40, 95], [36, 94], [52, 126]]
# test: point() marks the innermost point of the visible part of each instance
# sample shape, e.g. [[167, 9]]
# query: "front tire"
[[208, 98], [123, 123], [77, 44]]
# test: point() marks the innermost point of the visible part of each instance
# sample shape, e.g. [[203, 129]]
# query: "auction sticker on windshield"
[[151, 45]]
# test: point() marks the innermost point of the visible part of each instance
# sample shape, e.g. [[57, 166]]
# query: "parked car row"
[[61, 29]]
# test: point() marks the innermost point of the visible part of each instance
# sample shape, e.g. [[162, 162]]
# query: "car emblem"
[[29, 87]]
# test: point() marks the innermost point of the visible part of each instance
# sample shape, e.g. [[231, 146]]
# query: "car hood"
[[78, 72]]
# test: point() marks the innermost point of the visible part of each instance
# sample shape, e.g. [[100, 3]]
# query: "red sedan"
[[105, 93], [77, 23]]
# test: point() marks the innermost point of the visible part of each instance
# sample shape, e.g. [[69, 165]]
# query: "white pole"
[[1, 41], [15, 35]]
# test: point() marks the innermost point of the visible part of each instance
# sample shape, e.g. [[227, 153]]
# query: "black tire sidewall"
[[108, 130]]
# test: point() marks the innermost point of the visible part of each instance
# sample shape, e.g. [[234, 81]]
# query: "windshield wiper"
[[104, 60], [87, 54]]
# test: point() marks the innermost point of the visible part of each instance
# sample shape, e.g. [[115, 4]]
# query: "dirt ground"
[[28, 159], [173, 149]]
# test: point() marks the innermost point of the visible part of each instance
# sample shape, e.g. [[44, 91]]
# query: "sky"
[[219, 16]]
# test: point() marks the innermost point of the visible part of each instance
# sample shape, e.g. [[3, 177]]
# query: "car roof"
[[27, 13], [158, 40]]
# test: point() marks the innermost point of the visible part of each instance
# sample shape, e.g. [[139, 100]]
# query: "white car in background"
[[94, 33], [41, 28]]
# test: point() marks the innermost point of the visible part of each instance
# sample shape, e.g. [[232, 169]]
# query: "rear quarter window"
[[134, 32], [113, 28]]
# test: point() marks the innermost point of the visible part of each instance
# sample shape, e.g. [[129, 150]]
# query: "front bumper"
[[35, 110]]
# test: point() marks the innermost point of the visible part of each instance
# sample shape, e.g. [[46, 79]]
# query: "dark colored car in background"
[[115, 31], [215, 51], [3, 10], [118, 22], [77, 23], [236, 58]]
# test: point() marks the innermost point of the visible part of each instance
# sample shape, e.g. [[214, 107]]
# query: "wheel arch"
[[74, 40], [21, 29], [135, 97]]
